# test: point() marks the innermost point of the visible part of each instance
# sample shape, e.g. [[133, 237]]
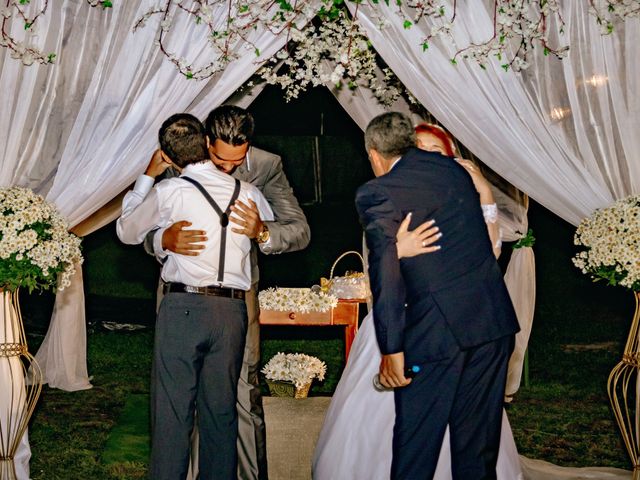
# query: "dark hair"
[[441, 134], [182, 139], [390, 134], [231, 124]]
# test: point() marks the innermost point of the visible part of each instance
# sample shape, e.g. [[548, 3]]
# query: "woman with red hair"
[[434, 138]]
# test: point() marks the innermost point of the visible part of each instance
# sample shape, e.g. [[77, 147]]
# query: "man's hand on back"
[[183, 242], [248, 218]]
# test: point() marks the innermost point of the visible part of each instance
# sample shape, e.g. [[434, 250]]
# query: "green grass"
[[563, 417], [129, 439], [69, 431]]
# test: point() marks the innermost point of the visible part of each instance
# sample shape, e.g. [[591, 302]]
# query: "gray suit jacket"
[[290, 230]]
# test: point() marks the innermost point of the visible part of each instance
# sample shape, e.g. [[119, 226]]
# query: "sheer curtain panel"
[[571, 164]]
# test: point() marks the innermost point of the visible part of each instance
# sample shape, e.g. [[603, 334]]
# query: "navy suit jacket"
[[431, 305]]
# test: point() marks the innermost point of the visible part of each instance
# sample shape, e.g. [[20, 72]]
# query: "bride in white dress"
[[356, 438]]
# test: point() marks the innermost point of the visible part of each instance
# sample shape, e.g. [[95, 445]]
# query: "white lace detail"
[[490, 212]]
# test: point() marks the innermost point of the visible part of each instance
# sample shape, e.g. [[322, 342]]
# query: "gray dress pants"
[[252, 448], [252, 435], [198, 350]]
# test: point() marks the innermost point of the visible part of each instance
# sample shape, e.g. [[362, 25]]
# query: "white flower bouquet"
[[35, 245], [611, 237], [303, 300], [297, 368]]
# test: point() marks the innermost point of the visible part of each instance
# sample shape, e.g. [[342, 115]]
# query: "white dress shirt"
[[145, 208], [161, 253]]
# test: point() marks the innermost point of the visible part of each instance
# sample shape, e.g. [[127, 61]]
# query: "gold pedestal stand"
[[624, 392], [17, 398]]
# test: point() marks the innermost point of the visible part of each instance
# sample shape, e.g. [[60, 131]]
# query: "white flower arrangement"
[[297, 368], [302, 300], [35, 246], [612, 240]]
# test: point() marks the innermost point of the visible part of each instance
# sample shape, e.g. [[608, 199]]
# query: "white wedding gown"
[[355, 440]]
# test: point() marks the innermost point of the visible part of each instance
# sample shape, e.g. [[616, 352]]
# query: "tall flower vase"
[[17, 399], [624, 392]]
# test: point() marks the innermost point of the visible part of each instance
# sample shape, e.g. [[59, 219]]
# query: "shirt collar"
[[199, 167], [247, 160], [395, 162]]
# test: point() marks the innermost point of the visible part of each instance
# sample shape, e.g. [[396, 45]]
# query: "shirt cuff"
[[144, 184], [490, 212], [158, 251]]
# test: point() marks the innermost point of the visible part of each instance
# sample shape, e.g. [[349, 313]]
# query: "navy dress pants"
[[465, 391]]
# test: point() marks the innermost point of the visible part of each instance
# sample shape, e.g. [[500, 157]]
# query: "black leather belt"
[[211, 291]]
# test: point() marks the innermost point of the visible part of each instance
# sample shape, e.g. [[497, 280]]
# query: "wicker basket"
[[354, 286], [288, 389]]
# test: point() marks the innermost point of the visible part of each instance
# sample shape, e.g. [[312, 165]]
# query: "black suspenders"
[[224, 219]]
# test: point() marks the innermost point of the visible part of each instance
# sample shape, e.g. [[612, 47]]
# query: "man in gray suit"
[[230, 130]]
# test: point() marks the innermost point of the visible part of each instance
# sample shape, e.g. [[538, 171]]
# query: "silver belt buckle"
[[190, 289]]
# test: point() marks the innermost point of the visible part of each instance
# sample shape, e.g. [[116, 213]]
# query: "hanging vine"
[[21, 49], [607, 12], [518, 27], [325, 42], [326, 45]]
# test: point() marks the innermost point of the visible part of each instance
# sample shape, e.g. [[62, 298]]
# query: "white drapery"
[[108, 94], [571, 166], [520, 278]]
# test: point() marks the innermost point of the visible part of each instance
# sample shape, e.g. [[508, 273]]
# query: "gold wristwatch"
[[263, 236]]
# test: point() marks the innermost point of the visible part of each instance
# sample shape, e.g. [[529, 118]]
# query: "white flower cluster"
[[332, 53], [607, 12], [33, 234], [297, 368], [333, 49], [612, 240], [518, 26], [302, 300], [15, 10], [230, 27]]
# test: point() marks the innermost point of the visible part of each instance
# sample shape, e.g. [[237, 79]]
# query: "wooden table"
[[345, 313]]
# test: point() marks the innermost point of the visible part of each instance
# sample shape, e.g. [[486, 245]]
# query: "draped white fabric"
[[520, 278], [79, 132], [572, 166], [62, 355]]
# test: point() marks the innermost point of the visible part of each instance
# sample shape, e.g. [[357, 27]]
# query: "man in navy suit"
[[448, 312]]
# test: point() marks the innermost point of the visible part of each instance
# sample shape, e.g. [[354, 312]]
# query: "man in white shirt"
[[202, 321], [230, 131]]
